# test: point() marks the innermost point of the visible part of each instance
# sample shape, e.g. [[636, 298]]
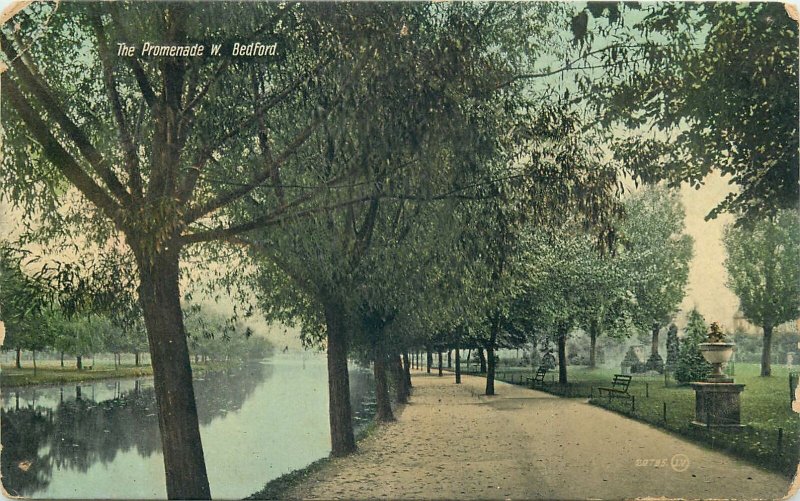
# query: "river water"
[[101, 439]]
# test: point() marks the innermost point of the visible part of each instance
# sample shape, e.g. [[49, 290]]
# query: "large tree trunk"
[[34, 361], [562, 357], [136, 359], [482, 358], [19, 358], [766, 351], [440, 363], [384, 406], [159, 295], [449, 359], [593, 328], [79, 362], [469, 357], [340, 413], [62, 359], [407, 369]]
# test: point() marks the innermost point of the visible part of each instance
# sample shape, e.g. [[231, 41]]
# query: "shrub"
[[691, 365]]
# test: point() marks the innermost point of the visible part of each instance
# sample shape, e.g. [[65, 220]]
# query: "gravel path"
[[452, 442]]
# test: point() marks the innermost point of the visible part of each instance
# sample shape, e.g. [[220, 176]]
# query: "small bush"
[[691, 365]]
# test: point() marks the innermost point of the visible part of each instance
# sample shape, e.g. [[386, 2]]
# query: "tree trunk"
[[562, 357], [384, 406], [469, 357], [482, 358], [116, 365], [136, 358], [62, 359], [401, 389], [407, 369], [34, 361], [19, 358], [654, 342], [593, 328], [79, 362], [340, 413], [449, 359], [440, 363], [495, 327], [429, 359], [458, 362], [159, 295], [766, 351]]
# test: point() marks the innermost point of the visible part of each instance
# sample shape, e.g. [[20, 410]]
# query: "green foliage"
[[691, 365], [704, 87], [763, 266], [656, 253]]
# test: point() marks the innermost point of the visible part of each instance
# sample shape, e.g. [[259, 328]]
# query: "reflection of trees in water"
[[80, 432], [362, 396]]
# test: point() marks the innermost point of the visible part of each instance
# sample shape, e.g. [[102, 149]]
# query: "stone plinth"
[[717, 405]]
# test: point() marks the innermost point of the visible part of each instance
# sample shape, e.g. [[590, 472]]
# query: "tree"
[[169, 152], [691, 365], [763, 266], [702, 87], [24, 301], [655, 253]]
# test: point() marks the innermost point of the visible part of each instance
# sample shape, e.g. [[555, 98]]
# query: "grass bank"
[[51, 372], [771, 438]]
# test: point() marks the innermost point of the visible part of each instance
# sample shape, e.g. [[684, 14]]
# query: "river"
[[101, 439]]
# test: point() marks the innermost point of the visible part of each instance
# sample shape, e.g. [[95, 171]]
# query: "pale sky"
[[707, 275]]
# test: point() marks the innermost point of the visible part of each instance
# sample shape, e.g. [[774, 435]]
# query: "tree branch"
[[272, 219], [570, 66], [207, 152], [56, 153], [259, 178], [132, 159], [138, 72], [36, 87]]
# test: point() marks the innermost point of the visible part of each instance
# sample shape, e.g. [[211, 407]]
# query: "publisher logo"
[[679, 462]]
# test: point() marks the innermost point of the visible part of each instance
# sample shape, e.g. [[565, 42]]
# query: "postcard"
[[399, 250]]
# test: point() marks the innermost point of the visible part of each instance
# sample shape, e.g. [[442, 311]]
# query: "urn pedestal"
[[717, 405]]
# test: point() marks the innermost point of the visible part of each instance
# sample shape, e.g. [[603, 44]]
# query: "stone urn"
[[717, 354], [717, 398]]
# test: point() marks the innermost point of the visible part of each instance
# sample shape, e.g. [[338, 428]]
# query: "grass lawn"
[[51, 372], [771, 438]]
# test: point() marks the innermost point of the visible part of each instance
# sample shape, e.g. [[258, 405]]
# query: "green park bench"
[[541, 372], [619, 386]]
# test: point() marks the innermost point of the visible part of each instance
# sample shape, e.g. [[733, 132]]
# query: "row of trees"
[[400, 174], [39, 316]]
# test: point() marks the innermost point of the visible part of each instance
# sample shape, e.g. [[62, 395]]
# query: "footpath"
[[453, 442]]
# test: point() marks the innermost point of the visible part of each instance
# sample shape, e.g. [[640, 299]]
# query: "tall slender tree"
[[763, 266]]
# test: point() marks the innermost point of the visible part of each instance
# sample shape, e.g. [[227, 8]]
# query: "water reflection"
[[67, 441]]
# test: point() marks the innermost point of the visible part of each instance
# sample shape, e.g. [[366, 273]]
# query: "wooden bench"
[[619, 386], [541, 372]]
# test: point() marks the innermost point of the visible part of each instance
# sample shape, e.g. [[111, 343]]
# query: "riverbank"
[[51, 372], [451, 441]]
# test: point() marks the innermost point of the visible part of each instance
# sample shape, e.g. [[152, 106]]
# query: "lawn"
[[51, 372], [771, 438]]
